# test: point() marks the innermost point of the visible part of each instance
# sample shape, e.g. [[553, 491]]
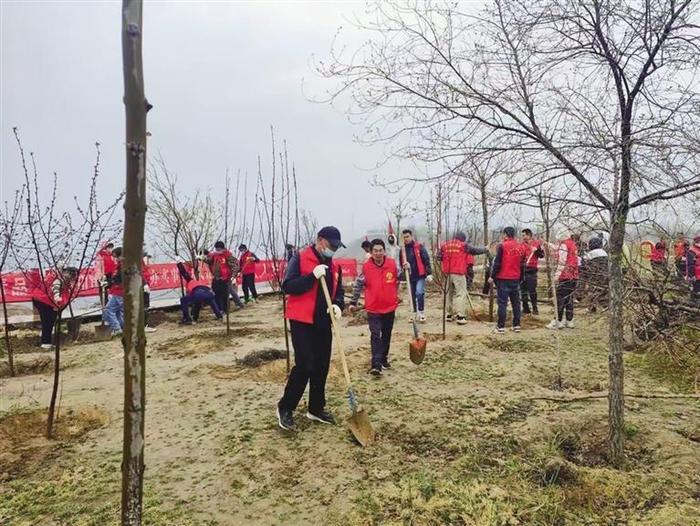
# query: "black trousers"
[[220, 288], [380, 327], [470, 276], [48, 318], [487, 286], [146, 306], [507, 290], [565, 299], [312, 358], [528, 291], [248, 283]]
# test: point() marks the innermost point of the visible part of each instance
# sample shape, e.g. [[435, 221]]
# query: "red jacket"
[[146, 274], [454, 257], [108, 262], [381, 282], [511, 260], [301, 307], [248, 263], [571, 266], [194, 283]]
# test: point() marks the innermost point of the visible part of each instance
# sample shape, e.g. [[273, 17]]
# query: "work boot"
[[285, 419], [461, 320], [321, 416], [555, 324]]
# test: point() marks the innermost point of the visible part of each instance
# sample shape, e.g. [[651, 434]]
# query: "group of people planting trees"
[[578, 271]]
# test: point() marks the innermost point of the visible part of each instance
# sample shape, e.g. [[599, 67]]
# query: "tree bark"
[[616, 400], [134, 340], [8, 343], [56, 373]]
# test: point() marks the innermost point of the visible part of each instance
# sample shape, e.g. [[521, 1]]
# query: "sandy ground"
[[464, 438]]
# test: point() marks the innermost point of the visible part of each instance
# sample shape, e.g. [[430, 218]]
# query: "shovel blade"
[[361, 428], [416, 350], [103, 332]]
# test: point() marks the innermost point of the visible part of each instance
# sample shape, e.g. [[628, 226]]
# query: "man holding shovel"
[[310, 325], [417, 261], [379, 278]]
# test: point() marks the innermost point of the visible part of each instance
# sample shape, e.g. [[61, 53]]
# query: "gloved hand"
[[201, 257], [337, 313], [429, 278], [407, 266], [320, 271], [146, 289]]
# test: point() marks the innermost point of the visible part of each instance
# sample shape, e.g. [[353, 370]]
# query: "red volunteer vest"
[[696, 251], [109, 263], [219, 259], [194, 283], [511, 260], [301, 307], [381, 293], [42, 291], [247, 263], [454, 257], [529, 249], [658, 255], [470, 259], [571, 267], [679, 249], [419, 260]]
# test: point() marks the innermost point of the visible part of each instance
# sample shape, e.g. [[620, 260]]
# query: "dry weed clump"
[[515, 345], [38, 365]]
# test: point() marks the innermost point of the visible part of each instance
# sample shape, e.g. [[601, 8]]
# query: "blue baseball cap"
[[332, 235]]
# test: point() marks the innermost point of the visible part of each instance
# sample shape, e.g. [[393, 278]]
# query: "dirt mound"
[[258, 358], [37, 366], [197, 344], [23, 442]]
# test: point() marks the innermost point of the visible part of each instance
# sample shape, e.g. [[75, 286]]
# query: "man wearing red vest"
[[49, 295], [113, 313], [310, 325], [379, 278], [105, 265], [532, 250], [506, 272], [224, 267], [198, 293], [566, 277], [693, 264], [454, 257], [417, 261], [248, 261]]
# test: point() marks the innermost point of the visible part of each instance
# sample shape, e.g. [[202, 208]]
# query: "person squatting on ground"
[[113, 314], [594, 274], [198, 293], [693, 268], [566, 277], [506, 272], [248, 261], [532, 249], [310, 325], [454, 258], [379, 279], [49, 295], [224, 267], [415, 258]]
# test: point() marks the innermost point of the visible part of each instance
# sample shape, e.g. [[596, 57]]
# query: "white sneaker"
[[149, 329], [499, 330], [421, 317], [46, 346], [569, 324], [554, 324]]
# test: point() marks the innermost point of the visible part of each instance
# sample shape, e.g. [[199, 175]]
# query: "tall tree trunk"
[[56, 372], [8, 343], [134, 219], [616, 401]]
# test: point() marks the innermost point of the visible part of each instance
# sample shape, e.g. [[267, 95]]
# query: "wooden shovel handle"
[[336, 332]]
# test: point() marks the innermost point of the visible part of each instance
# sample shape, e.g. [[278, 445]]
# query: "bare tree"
[[134, 339], [58, 241], [607, 91]]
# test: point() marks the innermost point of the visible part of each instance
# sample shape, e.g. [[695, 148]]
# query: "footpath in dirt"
[[483, 432]]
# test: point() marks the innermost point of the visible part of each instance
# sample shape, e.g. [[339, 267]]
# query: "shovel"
[[416, 347], [102, 331], [471, 306], [358, 421]]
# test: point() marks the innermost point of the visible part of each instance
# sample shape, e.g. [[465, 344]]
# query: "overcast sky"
[[219, 74]]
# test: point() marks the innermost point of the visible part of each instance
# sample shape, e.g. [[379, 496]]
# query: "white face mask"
[[327, 253]]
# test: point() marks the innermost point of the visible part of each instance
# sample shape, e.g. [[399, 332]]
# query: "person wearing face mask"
[[310, 325], [248, 260], [392, 248]]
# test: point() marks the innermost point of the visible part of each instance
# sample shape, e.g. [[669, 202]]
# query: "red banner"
[[18, 285]]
